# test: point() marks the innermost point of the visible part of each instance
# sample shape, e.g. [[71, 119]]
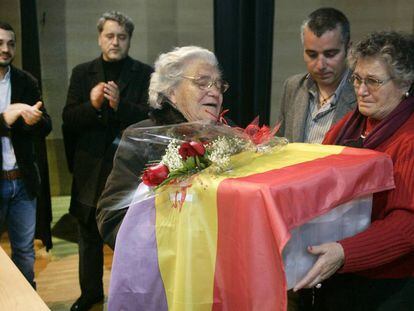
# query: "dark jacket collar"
[[16, 76], [167, 114]]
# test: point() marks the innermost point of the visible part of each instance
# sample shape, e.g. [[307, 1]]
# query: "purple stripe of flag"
[[136, 282]]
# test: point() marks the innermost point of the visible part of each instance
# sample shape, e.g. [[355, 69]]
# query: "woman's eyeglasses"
[[372, 84], [206, 82]]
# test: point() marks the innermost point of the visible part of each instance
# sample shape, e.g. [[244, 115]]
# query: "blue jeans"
[[18, 211]]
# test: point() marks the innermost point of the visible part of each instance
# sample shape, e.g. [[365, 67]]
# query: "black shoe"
[[84, 303]]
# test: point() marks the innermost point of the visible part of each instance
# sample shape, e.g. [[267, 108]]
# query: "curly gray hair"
[[118, 17], [168, 70], [394, 48]]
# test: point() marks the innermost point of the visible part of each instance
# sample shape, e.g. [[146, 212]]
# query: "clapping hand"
[[111, 93], [97, 95], [11, 114], [103, 90], [30, 114]]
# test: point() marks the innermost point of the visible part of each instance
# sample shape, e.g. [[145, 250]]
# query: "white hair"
[[168, 70]]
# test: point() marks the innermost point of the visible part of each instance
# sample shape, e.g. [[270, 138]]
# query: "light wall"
[[365, 16], [68, 36]]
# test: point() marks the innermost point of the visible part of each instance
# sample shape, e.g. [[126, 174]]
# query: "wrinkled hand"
[[97, 95], [331, 258], [32, 114], [111, 93]]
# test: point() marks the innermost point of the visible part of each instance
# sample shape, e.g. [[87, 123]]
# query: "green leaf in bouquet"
[[197, 161], [190, 163], [175, 174]]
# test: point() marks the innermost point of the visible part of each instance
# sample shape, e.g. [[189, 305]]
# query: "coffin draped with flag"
[[222, 250]]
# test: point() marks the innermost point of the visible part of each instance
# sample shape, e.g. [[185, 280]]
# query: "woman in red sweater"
[[375, 268]]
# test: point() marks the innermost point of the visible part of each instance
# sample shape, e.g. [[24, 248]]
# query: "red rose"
[[191, 149], [155, 175]]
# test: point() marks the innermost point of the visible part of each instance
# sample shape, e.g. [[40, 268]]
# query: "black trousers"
[[348, 292], [90, 260]]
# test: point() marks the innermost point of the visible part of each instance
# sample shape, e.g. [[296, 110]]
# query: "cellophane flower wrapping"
[[170, 156], [194, 147]]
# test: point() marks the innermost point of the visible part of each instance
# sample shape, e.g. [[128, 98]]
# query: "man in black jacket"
[[105, 96], [23, 119]]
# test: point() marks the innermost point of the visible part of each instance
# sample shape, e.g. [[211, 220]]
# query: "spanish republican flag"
[[222, 249]]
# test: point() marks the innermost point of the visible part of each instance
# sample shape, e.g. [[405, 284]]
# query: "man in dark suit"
[[314, 101], [23, 119], [105, 96]]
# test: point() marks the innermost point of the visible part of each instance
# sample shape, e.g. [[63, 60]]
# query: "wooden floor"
[[56, 271]]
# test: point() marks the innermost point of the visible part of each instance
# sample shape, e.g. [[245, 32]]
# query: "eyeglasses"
[[372, 84], [205, 82]]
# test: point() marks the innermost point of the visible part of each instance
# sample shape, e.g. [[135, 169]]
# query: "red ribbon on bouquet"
[[260, 134]]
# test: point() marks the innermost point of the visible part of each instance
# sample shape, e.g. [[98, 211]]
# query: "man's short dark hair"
[[326, 19], [7, 26]]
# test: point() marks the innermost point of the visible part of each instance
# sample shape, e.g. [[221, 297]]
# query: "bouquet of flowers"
[[193, 147]]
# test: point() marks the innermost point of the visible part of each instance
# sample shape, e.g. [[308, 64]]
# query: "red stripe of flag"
[[256, 212]]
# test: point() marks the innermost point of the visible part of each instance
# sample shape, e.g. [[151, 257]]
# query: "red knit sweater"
[[386, 248]]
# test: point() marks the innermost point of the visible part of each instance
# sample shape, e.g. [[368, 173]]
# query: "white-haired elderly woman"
[[186, 86], [375, 267]]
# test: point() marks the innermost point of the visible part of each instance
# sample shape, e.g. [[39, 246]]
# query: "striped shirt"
[[319, 119]]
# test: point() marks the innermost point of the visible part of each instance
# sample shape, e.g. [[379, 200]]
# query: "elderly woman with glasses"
[[185, 87], [375, 267]]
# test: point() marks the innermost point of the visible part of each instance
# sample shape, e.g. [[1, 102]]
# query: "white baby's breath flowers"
[[220, 150], [220, 160], [172, 158]]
